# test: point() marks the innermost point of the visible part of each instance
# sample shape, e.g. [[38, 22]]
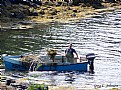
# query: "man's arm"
[[76, 55]]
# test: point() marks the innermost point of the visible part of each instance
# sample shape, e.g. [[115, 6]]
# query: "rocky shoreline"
[[21, 84], [26, 17]]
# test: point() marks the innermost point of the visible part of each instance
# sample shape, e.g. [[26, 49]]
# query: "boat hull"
[[68, 67], [13, 63]]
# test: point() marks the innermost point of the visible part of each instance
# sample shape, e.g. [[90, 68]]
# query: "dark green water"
[[24, 41]]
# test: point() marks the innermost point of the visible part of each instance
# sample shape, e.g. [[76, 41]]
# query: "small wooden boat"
[[16, 63]]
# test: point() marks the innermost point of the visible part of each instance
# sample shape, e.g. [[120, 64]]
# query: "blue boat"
[[67, 67], [15, 63]]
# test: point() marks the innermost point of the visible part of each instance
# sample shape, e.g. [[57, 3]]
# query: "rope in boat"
[[32, 60]]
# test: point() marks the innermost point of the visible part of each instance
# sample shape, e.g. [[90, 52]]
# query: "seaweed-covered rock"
[[75, 10], [33, 13], [70, 3], [48, 3], [42, 12], [53, 12], [64, 3], [45, 8], [58, 3], [9, 81], [69, 8], [50, 17], [73, 15]]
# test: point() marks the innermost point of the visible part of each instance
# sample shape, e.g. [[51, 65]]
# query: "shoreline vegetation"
[[22, 15]]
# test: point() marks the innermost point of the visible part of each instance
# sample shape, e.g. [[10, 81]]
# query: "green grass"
[[38, 87]]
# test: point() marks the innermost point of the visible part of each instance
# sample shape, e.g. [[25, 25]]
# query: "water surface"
[[100, 35]]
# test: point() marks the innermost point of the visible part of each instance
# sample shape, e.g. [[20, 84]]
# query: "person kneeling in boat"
[[69, 53]]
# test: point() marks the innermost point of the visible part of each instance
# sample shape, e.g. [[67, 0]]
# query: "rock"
[[42, 12], [12, 15], [48, 3], [20, 15], [26, 11], [33, 5], [50, 17], [70, 3], [75, 10], [8, 82], [58, 3], [46, 88], [52, 13], [14, 85], [64, 3], [69, 8], [34, 13], [74, 15], [45, 8], [49, 6], [82, 5]]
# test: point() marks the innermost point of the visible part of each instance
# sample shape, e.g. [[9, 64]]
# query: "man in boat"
[[69, 53]]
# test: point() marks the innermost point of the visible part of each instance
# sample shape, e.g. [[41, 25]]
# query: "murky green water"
[[100, 35]]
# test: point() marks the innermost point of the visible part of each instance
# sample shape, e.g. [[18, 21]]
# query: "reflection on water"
[[101, 36]]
